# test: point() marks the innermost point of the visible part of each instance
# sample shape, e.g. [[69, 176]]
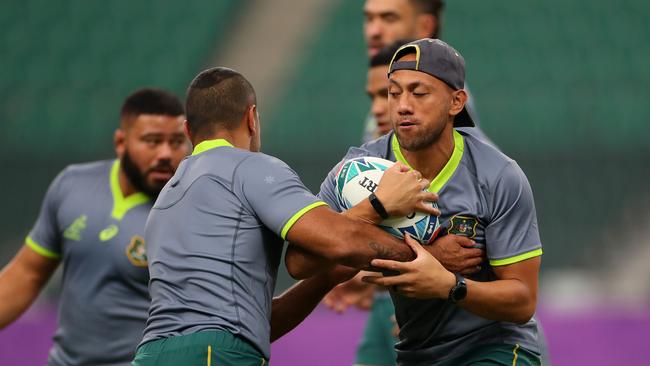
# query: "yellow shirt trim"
[[121, 204], [298, 215], [40, 250], [209, 145], [517, 258], [447, 171]]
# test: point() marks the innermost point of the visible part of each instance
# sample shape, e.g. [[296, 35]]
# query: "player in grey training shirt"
[[216, 231], [443, 318], [92, 220], [478, 188]]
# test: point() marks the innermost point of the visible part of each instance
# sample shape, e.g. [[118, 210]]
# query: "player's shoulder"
[[79, 176], [254, 160], [379, 147], [88, 170], [486, 161]]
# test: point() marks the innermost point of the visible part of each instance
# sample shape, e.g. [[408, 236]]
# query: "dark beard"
[[138, 178]]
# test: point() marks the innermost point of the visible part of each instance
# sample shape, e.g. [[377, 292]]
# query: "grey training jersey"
[[483, 195], [98, 234], [215, 238]]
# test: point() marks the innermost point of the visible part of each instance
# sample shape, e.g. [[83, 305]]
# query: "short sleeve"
[[328, 189], [45, 236], [512, 234], [274, 192]]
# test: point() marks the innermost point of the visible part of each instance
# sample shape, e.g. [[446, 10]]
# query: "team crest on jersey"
[[136, 252], [463, 225]]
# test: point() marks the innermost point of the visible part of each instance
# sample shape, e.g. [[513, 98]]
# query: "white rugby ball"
[[359, 177]]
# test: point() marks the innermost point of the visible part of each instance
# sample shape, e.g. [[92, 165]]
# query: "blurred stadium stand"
[[66, 67]]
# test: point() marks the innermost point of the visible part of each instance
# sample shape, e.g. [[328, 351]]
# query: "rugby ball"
[[359, 177]]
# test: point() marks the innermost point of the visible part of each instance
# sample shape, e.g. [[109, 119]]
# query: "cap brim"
[[463, 119]]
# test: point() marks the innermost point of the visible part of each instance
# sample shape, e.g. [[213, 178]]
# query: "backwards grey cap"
[[440, 60]]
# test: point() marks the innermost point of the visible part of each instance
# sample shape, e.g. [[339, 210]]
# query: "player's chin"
[[406, 133]]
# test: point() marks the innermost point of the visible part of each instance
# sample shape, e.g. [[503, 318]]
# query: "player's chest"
[[90, 235], [463, 211]]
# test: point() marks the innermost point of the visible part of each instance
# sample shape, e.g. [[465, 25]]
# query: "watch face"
[[460, 293]]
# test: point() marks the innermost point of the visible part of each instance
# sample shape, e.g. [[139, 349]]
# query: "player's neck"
[[430, 160], [126, 186], [235, 138]]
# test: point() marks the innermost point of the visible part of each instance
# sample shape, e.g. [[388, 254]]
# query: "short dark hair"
[[385, 54], [433, 7], [217, 97], [151, 101]]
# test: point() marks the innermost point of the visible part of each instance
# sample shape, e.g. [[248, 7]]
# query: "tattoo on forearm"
[[385, 252]]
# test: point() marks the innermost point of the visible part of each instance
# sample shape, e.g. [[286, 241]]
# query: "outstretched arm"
[[21, 281], [342, 240], [401, 190]]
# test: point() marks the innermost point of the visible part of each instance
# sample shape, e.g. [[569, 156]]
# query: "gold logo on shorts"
[[136, 252]]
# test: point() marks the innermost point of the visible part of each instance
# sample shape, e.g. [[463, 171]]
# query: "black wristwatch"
[[459, 291], [376, 204]]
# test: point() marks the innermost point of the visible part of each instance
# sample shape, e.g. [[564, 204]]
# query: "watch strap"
[[460, 285], [378, 206]]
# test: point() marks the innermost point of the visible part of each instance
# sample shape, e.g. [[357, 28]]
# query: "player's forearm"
[[364, 212], [345, 241], [364, 242], [16, 294], [302, 264], [295, 304], [503, 300], [21, 281]]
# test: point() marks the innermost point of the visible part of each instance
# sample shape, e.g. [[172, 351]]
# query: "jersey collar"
[[210, 144], [121, 204], [449, 168]]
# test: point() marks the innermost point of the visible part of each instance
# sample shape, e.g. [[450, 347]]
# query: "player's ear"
[[425, 24], [186, 130], [119, 141], [458, 100], [251, 120]]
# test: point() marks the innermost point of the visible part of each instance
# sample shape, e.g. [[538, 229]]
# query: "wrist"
[[378, 206], [364, 212], [458, 292], [450, 283]]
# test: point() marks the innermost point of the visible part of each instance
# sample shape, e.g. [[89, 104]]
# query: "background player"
[[92, 219], [388, 22]]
